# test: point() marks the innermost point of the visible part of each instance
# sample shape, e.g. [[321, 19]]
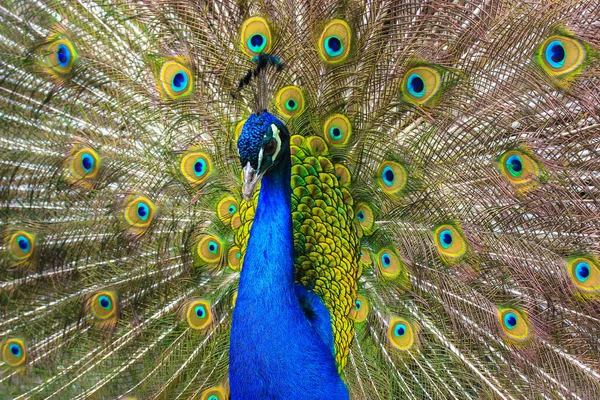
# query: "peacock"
[[341, 199]]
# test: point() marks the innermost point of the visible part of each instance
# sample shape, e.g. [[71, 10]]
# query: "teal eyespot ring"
[[291, 105], [400, 330], [514, 165], [333, 46], [180, 81], [415, 85], [213, 247], [556, 54], [200, 167], [143, 211], [105, 302], [582, 271], [257, 42], [510, 320], [446, 238]]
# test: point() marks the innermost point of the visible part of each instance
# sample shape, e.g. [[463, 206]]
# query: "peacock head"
[[263, 144]]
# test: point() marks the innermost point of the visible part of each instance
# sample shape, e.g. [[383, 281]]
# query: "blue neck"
[[271, 239], [275, 353]]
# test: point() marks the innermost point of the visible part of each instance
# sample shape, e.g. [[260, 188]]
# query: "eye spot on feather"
[[334, 42], [21, 245], [585, 274], [365, 218], [290, 101], [196, 167], [388, 263], [561, 55], [139, 212], [401, 334], [361, 309], [255, 36], [234, 258], [450, 242], [391, 177], [199, 314], [103, 305], [518, 168], [514, 324], [60, 56], [83, 164], [214, 393], [210, 249], [14, 353], [175, 80], [337, 130], [421, 84]]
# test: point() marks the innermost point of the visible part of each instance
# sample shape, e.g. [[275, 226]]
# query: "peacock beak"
[[251, 179]]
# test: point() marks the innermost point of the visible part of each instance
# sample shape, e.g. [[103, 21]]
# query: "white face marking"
[[275, 130]]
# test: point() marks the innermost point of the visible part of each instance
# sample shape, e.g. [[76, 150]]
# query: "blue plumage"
[[275, 350]]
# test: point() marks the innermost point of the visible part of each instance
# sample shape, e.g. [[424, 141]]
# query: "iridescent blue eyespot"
[[400, 330], [388, 176], [105, 302], [16, 350], [212, 397], [87, 162], [143, 211], [335, 133], [510, 320], [582, 271], [415, 85], [358, 304], [257, 42], [213, 247], [180, 81], [63, 55], [556, 54], [446, 238], [386, 261], [200, 311], [514, 165], [361, 216], [24, 243], [333, 46], [200, 167], [232, 209]]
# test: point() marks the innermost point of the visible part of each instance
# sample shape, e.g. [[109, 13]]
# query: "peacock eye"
[[392, 177], [450, 243], [334, 43], [139, 212], [13, 352], [421, 84], [389, 264], [270, 147], [210, 249], [199, 314], [585, 274], [518, 168], [21, 245], [560, 55], [175, 80], [401, 334], [61, 56], [514, 324], [196, 167], [337, 130], [256, 36], [215, 393], [103, 305], [290, 101]]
